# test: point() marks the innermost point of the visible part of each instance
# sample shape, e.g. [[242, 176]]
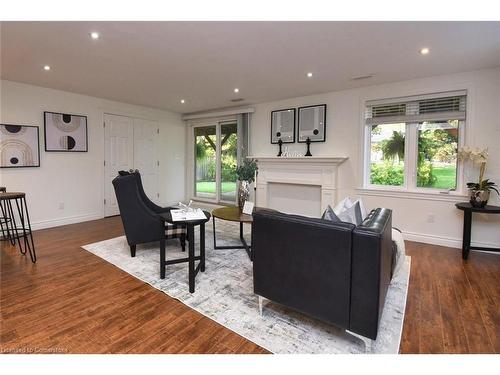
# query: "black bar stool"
[[5, 221], [17, 231]]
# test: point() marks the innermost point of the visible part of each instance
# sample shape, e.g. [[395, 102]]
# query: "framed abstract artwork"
[[65, 132], [283, 126], [312, 123], [19, 146]]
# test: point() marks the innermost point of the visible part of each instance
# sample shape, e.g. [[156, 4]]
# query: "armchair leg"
[[132, 251], [183, 242]]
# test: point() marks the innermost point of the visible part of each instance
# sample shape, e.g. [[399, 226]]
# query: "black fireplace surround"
[[335, 272]]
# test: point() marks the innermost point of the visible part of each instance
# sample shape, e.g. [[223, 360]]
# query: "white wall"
[[344, 138], [77, 179]]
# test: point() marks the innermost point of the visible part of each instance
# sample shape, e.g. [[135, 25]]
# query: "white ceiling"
[[157, 64]]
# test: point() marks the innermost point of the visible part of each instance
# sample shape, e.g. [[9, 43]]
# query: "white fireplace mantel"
[[317, 171], [300, 159]]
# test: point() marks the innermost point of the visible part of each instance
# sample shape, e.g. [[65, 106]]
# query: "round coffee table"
[[234, 214]]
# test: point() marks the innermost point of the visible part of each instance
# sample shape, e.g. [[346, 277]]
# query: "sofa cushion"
[[174, 230]]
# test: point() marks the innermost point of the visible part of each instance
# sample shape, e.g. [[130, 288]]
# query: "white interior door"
[[146, 156], [119, 155]]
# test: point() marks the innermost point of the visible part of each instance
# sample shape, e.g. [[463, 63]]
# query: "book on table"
[[187, 215]]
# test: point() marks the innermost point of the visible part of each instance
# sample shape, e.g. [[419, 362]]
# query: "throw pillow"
[[359, 211], [329, 214], [356, 211], [352, 214], [362, 208], [342, 205]]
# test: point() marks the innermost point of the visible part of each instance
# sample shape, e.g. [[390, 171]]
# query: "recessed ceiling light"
[[183, 101], [424, 51], [309, 74], [236, 90], [95, 35], [46, 67]]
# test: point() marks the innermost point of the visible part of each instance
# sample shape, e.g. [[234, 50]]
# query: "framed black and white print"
[[65, 132], [19, 146], [283, 125], [312, 123]]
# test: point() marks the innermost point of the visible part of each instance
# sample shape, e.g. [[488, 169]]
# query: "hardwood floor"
[[74, 302], [453, 306]]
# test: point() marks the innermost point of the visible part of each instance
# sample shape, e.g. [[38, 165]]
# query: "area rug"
[[224, 293]]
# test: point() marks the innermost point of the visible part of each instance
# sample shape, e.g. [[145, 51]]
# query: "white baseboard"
[[65, 221], [442, 240]]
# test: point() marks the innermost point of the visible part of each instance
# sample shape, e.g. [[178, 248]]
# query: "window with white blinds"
[[411, 142], [417, 109]]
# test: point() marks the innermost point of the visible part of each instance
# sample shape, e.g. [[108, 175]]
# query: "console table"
[[468, 209]]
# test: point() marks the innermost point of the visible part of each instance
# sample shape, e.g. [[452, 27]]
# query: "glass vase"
[[243, 193]]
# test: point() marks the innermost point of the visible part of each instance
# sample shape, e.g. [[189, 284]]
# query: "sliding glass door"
[[228, 161], [205, 142], [215, 148]]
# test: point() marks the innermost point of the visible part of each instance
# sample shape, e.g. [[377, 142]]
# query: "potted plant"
[[479, 192], [246, 175]]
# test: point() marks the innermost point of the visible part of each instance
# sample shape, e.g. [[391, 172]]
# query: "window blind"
[[417, 109]]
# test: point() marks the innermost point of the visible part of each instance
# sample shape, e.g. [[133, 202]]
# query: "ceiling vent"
[[237, 100], [359, 78]]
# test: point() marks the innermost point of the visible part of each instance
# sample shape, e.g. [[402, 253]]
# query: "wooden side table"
[[468, 209]]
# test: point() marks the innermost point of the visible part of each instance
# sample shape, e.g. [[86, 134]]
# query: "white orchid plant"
[[477, 156]]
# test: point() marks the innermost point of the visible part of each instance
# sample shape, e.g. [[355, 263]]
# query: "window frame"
[[410, 163], [217, 122], [219, 164]]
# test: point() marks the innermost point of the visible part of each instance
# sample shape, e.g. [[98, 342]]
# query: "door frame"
[[116, 112], [155, 199], [219, 166], [191, 175]]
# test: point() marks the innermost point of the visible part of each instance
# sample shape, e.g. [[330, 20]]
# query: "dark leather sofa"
[[335, 272]]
